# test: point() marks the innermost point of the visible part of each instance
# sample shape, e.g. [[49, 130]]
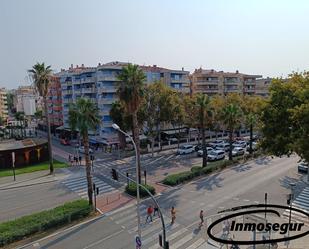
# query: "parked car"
[[200, 152], [303, 167], [216, 155], [223, 146], [64, 141], [197, 147], [216, 143], [242, 144], [81, 149], [254, 146], [238, 151], [185, 149]]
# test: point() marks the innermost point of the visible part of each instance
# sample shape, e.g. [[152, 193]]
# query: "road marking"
[[168, 158], [101, 240], [236, 199], [257, 202], [246, 200], [221, 207], [177, 156], [196, 244], [182, 241], [156, 160], [36, 244]]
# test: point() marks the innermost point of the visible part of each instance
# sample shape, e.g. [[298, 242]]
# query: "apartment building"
[[262, 87], [213, 82], [99, 84], [3, 104], [54, 103], [26, 100]]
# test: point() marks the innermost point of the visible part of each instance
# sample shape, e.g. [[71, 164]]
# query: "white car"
[[223, 146], [82, 150], [303, 167], [254, 146], [238, 151], [200, 152], [216, 143], [185, 149], [216, 155], [240, 143]]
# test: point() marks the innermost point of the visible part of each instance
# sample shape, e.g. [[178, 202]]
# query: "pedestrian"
[[76, 160], [173, 214], [80, 160], [69, 158], [156, 210], [201, 217], [149, 213]]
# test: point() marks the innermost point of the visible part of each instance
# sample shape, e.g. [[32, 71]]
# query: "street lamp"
[[117, 128]]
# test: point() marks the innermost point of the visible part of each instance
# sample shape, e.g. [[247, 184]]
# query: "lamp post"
[[116, 127]]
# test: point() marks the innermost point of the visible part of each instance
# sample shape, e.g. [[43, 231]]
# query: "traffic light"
[[114, 174]]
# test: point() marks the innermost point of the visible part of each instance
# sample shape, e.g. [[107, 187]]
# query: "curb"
[[28, 185]]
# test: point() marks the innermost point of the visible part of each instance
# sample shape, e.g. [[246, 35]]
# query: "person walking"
[[149, 213], [156, 211], [80, 160], [173, 214], [201, 217], [76, 160]]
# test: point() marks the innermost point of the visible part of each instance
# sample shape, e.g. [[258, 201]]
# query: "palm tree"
[[84, 116], [251, 120], [231, 118], [41, 75], [131, 92], [204, 115]]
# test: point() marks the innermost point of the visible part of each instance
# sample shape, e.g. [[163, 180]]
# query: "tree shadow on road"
[[209, 183], [242, 167]]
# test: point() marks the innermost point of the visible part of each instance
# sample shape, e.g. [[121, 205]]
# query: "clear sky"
[[268, 37]]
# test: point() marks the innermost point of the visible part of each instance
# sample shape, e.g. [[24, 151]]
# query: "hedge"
[[131, 190], [196, 171], [25, 226]]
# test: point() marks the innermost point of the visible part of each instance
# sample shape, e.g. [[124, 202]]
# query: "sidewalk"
[[28, 179]]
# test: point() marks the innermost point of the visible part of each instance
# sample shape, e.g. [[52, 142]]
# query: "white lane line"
[[246, 200], [177, 156], [236, 199], [168, 158], [196, 244], [101, 240], [182, 241], [156, 160]]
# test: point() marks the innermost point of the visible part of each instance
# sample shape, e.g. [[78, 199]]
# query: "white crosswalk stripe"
[[79, 186], [301, 202], [178, 236]]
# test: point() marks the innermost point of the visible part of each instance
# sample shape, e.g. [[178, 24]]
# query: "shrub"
[[20, 228], [175, 179], [131, 190]]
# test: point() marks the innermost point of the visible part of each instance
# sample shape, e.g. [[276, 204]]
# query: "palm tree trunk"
[[51, 164], [204, 148], [88, 167], [230, 141], [136, 140], [152, 145]]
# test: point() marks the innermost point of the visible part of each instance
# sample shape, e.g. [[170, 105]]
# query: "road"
[[243, 184]]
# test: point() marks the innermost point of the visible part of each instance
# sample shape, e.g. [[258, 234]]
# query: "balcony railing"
[[88, 80], [64, 92], [88, 90], [106, 101], [107, 90], [107, 78]]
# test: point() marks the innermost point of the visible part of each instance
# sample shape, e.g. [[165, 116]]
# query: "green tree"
[[177, 117], [231, 117], [131, 94], [285, 117], [84, 116], [204, 119], [41, 75], [120, 117], [10, 101]]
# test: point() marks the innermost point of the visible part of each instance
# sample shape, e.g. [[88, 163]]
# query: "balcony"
[[67, 92], [67, 101], [107, 90], [78, 91], [251, 90], [231, 90], [88, 80], [107, 78], [104, 112], [88, 90], [107, 123], [106, 101], [208, 90]]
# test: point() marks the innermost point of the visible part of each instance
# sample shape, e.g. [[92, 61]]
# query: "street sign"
[[138, 242]]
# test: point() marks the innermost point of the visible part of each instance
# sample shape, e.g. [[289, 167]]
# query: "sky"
[[263, 37]]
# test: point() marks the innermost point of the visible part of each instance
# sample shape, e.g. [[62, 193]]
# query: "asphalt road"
[[243, 184]]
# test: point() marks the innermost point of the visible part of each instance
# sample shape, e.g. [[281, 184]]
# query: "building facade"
[[54, 102], [26, 100], [99, 84], [213, 82], [3, 104], [262, 87]]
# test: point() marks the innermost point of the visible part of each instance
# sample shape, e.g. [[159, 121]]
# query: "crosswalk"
[[301, 202], [179, 237], [79, 186]]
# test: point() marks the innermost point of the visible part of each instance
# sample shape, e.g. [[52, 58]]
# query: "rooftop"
[[21, 144]]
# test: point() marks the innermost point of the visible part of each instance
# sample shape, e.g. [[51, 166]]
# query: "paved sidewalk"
[[33, 178], [109, 202]]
